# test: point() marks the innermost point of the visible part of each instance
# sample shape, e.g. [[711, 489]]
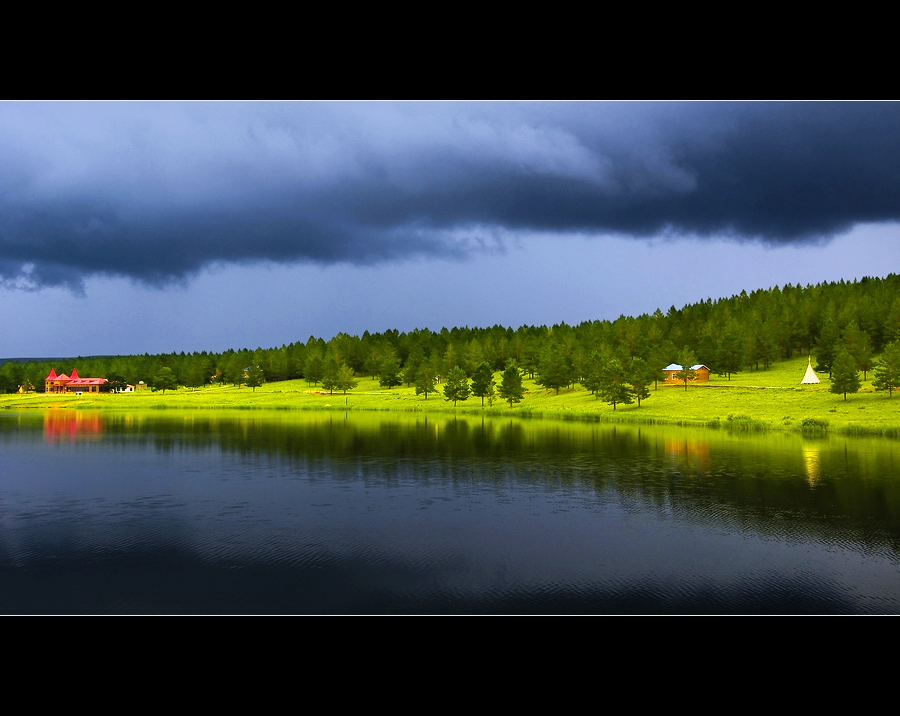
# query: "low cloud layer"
[[155, 192]]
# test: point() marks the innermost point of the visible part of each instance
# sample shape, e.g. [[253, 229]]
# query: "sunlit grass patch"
[[752, 401]]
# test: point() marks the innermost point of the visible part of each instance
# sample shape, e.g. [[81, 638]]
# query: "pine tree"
[[389, 370], [372, 362], [613, 384], [473, 358], [844, 376], [641, 376], [425, 380], [255, 377], [891, 329], [887, 369], [554, 371], [731, 349], [864, 356], [827, 345], [346, 379], [511, 389], [313, 369], [593, 369], [457, 385], [530, 356], [858, 345], [164, 380], [483, 381], [330, 374]]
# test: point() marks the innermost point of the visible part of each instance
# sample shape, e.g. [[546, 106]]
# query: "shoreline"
[[762, 408]]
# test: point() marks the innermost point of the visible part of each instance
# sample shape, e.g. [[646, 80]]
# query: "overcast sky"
[[145, 227]]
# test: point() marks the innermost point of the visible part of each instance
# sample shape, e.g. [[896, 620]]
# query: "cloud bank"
[[156, 192]]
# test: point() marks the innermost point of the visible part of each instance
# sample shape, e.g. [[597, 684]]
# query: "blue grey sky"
[[156, 227]]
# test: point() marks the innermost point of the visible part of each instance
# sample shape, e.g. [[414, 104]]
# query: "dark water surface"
[[334, 513]]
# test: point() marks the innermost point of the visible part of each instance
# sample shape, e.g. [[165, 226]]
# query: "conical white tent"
[[810, 376]]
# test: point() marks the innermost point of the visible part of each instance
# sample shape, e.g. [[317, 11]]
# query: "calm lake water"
[[364, 513]]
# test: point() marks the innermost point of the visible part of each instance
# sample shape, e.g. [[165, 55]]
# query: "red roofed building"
[[63, 383]]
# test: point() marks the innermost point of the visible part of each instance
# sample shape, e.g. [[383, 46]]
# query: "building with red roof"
[[74, 383]]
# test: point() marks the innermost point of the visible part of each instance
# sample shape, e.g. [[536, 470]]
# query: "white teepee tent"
[[810, 376]]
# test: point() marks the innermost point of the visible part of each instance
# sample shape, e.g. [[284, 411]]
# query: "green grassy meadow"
[[770, 399]]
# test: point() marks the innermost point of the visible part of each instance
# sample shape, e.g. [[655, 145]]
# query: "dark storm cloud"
[[156, 192]]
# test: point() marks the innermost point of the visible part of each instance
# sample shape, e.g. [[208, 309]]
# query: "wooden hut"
[[701, 374]]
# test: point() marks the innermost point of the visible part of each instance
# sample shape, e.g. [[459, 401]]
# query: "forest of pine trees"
[[740, 333]]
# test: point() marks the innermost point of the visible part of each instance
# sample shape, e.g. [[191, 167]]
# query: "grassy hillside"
[[765, 400]]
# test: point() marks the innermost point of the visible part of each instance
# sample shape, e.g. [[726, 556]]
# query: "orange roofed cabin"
[[701, 374], [63, 383]]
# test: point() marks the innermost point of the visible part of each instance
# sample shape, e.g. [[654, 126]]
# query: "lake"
[[244, 512]]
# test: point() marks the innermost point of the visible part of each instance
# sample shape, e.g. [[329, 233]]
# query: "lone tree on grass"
[[255, 377], [457, 385], [164, 380], [844, 376], [330, 375], [511, 384], [346, 379]]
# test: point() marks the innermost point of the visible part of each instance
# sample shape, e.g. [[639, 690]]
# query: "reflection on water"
[[331, 512], [811, 458], [71, 425]]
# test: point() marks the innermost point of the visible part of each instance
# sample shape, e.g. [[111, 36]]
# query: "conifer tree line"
[[744, 332]]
